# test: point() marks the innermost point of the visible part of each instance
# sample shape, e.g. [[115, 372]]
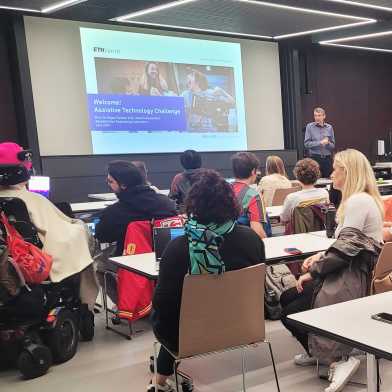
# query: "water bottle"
[[330, 220]]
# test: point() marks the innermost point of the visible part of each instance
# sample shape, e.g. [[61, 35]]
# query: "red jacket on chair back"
[[135, 291]]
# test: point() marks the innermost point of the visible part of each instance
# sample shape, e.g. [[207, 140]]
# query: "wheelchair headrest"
[[13, 174]]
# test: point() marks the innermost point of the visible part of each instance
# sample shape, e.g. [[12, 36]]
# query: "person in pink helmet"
[[64, 238]]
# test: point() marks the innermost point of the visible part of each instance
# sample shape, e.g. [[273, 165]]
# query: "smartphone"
[[293, 251], [384, 317]]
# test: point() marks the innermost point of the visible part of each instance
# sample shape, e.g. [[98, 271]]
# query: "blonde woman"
[[274, 179], [361, 208]]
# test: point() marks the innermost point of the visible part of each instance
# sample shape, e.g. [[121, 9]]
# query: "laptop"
[[162, 236], [39, 184]]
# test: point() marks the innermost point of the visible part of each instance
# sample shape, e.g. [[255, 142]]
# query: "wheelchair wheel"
[[34, 361], [87, 326], [64, 338]]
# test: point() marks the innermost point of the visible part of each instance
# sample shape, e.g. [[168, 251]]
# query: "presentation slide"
[[154, 93]]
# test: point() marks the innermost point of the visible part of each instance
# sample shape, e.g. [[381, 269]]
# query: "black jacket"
[[135, 204], [241, 248]]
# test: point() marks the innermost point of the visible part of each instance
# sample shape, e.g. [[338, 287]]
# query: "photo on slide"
[[138, 95]]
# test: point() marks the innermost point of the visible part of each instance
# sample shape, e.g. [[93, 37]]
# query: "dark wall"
[[8, 121], [355, 88], [73, 178]]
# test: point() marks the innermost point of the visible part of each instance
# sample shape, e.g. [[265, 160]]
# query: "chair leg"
[[105, 299], [273, 364], [155, 365], [175, 368], [243, 370]]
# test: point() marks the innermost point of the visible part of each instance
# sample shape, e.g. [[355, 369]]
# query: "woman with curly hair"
[[307, 172], [212, 210]]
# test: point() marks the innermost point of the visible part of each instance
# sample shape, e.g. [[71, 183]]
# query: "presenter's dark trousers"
[[325, 163]]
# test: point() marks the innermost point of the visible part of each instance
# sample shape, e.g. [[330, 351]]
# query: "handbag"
[[34, 264]]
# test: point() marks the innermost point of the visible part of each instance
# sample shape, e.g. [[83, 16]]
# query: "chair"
[[382, 274], [281, 194], [296, 184], [207, 324]]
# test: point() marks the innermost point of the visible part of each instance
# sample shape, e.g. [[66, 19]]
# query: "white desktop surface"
[[112, 196], [323, 181], [306, 243], [274, 211], [352, 320], [321, 233], [90, 206], [144, 264]]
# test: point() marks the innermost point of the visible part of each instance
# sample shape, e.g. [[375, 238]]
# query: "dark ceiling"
[[253, 18]]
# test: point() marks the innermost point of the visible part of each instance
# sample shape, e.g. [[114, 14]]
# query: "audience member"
[[144, 172], [275, 178], [64, 238], [307, 172], [253, 213], [212, 208], [182, 182], [344, 275], [136, 201]]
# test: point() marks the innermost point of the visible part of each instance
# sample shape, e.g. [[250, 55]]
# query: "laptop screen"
[[162, 237], [40, 184]]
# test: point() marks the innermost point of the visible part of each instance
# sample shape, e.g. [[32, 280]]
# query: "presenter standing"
[[320, 142]]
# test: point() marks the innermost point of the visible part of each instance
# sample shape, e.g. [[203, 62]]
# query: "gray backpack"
[[278, 279]]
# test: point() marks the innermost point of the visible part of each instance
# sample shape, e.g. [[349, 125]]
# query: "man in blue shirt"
[[320, 142]]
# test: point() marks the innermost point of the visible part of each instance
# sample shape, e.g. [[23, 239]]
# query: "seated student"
[[306, 171], [64, 238], [361, 209], [136, 202], [143, 170], [253, 213], [275, 178], [182, 182], [211, 207]]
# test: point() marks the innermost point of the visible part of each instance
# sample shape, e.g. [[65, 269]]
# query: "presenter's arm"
[[308, 142], [331, 145]]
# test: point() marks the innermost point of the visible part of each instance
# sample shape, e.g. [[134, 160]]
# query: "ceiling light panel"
[[382, 5], [242, 17], [39, 6]]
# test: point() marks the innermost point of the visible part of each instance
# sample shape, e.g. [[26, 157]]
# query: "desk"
[[307, 243], [144, 264], [112, 196], [274, 211], [351, 323], [90, 206], [323, 182]]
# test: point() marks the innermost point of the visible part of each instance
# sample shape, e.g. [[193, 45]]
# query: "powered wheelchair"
[[42, 324]]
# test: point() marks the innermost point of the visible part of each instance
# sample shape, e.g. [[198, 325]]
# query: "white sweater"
[[65, 239], [361, 212]]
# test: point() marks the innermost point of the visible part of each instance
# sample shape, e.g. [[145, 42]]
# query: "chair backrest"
[[388, 209], [306, 218], [16, 211], [384, 262], [281, 194], [222, 311], [296, 184], [138, 238]]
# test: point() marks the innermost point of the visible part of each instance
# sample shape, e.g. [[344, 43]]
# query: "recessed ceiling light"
[[4, 7], [147, 24], [361, 20], [357, 37], [359, 4], [325, 29], [59, 5], [152, 10], [357, 47], [46, 10]]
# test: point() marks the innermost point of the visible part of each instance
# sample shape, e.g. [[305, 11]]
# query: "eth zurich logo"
[[98, 49]]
